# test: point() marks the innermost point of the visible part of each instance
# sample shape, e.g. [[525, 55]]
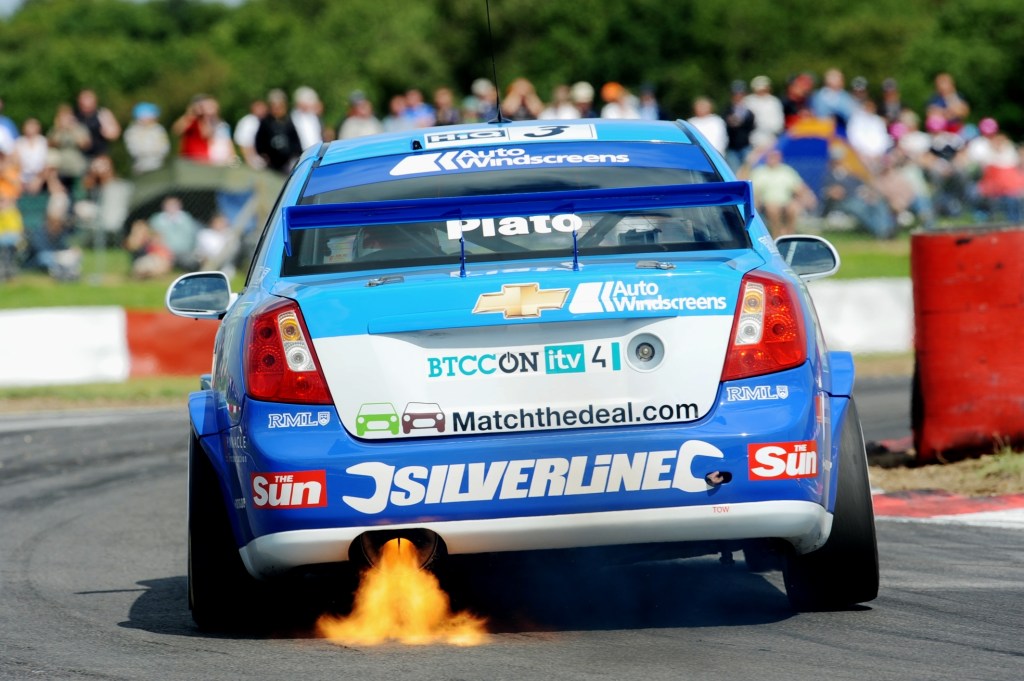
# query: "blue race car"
[[597, 344]]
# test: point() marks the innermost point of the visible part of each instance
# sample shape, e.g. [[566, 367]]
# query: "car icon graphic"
[[375, 417], [422, 415]]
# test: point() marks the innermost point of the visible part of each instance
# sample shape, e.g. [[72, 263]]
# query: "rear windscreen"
[[513, 237]]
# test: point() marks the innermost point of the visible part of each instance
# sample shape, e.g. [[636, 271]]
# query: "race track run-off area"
[[92, 580]]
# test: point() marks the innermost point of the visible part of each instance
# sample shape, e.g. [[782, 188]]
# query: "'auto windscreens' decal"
[[383, 176]]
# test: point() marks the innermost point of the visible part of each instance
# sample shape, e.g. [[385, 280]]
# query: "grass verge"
[[106, 281], [864, 256], [999, 473], [154, 391]]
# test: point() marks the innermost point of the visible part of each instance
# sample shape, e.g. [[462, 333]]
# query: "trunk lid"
[[524, 348]]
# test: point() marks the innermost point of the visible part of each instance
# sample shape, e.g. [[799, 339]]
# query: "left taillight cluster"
[[768, 330], [280, 363]]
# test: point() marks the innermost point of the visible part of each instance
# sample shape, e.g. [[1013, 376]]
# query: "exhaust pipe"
[[367, 547]]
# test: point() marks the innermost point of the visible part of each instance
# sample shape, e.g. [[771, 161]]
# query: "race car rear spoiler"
[[403, 211]]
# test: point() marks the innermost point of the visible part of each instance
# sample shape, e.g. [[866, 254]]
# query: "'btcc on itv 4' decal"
[[570, 358]]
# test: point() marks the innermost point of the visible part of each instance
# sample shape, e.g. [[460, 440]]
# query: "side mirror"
[[810, 256], [200, 295]]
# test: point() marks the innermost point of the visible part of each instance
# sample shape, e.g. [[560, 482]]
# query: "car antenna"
[[494, 66], [462, 255]]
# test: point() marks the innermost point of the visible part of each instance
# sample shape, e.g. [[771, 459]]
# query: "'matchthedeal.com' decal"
[[382, 419]]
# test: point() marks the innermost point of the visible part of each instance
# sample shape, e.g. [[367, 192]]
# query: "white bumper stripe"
[[804, 524]]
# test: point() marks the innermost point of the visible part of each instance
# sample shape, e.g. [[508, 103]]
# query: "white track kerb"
[[61, 345]]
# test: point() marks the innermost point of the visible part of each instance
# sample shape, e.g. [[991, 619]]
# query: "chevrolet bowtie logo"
[[517, 301]]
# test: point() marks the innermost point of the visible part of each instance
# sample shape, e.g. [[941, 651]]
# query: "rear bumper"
[[805, 525]]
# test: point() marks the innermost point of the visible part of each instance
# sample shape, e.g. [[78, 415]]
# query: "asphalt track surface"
[[92, 586]]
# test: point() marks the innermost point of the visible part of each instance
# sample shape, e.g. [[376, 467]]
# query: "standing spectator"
[[146, 139], [779, 191], [521, 102], [859, 89], [649, 107], [796, 101], [833, 101], [360, 121], [892, 102], [447, 113], [69, 139], [195, 128], [6, 140], [418, 112], [945, 174], [277, 140], [104, 208], [222, 147], [32, 150], [99, 121], [868, 134], [739, 125], [911, 140], [769, 120], [947, 102], [1000, 187], [618, 102], [11, 226], [710, 124], [205, 137], [245, 134], [49, 248], [7, 125], [560, 108], [178, 231], [306, 116], [583, 99], [487, 99], [395, 120]]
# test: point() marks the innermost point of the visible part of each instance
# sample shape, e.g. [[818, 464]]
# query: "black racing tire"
[[221, 593], [843, 572]]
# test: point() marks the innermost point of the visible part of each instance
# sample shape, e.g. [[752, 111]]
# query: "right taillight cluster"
[[768, 330]]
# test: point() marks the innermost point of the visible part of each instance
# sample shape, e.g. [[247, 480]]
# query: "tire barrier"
[[968, 393]]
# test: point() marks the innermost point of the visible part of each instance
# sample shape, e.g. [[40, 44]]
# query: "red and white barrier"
[[69, 345]]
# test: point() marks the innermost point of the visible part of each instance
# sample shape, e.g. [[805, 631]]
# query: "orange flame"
[[397, 600]]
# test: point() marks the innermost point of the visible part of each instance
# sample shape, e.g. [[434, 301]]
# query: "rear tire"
[[221, 593], [843, 572]]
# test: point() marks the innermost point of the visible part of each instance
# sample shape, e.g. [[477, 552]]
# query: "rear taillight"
[[768, 331], [280, 363]]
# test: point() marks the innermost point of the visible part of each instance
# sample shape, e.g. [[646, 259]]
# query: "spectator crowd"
[[887, 166]]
